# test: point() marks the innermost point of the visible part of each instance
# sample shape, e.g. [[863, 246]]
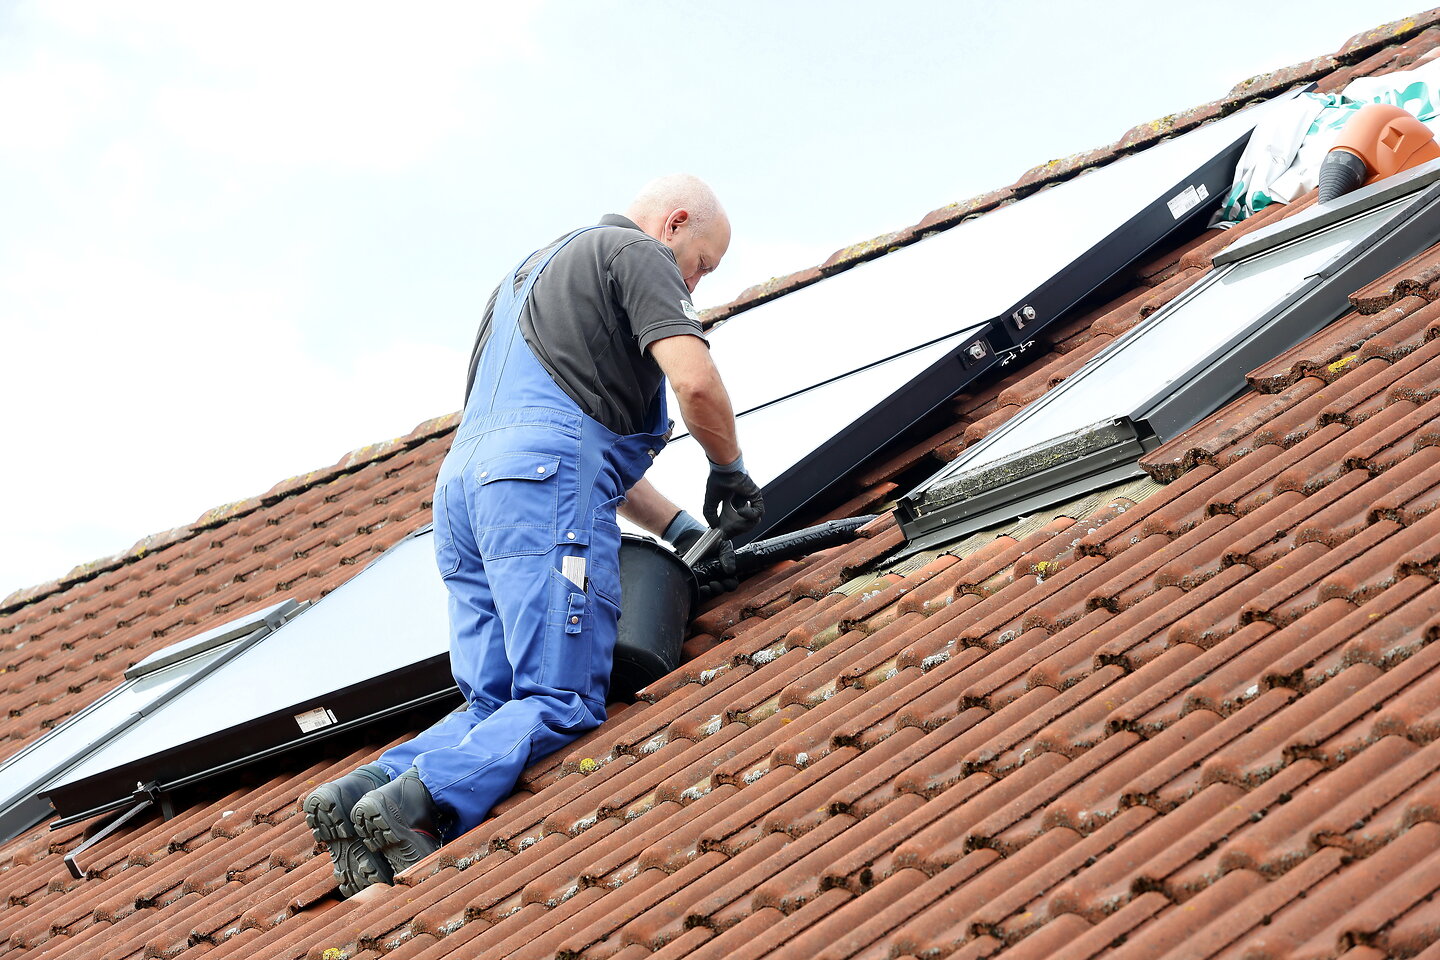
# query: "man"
[[564, 411]]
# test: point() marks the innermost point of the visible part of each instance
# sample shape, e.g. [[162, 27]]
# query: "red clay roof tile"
[[1162, 723]]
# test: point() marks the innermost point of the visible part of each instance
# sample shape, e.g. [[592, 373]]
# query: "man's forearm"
[[648, 508], [705, 408]]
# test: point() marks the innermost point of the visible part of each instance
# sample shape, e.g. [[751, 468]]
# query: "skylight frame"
[[957, 500]]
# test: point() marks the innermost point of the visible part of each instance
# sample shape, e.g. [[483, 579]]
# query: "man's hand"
[[732, 499], [724, 554]]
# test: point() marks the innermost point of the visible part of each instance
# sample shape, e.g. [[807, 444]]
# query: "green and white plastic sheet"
[[1282, 160]]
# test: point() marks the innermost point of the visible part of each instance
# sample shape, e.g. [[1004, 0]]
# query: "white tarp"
[[1282, 160]]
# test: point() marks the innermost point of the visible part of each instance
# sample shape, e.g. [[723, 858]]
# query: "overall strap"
[[510, 301]]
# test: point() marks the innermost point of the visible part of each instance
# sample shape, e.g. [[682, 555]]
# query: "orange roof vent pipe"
[[1379, 141]]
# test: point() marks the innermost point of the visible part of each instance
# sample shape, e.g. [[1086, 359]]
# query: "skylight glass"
[[1164, 348]]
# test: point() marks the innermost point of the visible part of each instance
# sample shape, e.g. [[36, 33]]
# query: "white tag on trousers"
[[573, 569]]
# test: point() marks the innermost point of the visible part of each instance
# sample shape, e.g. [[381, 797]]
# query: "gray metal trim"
[[270, 618], [1322, 215], [959, 529], [978, 487], [1053, 484]]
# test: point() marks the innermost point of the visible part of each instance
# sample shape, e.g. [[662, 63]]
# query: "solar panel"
[[375, 646], [1177, 366], [1001, 280], [24, 776]]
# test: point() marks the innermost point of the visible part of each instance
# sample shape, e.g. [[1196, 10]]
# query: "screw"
[[976, 350], [1023, 316]]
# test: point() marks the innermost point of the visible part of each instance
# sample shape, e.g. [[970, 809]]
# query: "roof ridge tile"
[[1368, 41]]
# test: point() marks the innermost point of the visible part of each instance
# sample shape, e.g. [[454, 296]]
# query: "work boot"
[[327, 810], [398, 821]]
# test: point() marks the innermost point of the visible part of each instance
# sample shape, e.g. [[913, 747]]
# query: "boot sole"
[[402, 848], [356, 865]]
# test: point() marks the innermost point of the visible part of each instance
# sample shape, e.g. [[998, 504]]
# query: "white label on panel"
[[1186, 200], [312, 720]]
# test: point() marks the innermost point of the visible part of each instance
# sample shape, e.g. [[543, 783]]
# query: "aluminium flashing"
[[1321, 215], [1097, 458], [271, 617], [1376, 236]]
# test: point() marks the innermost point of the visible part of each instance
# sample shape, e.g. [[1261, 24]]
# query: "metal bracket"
[[146, 796]]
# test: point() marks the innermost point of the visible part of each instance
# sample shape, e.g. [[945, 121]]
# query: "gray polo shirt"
[[593, 314]]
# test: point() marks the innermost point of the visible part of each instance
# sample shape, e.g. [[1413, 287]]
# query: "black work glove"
[[732, 501], [718, 564]]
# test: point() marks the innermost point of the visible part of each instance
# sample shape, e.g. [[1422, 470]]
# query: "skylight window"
[[1182, 362], [150, 685]]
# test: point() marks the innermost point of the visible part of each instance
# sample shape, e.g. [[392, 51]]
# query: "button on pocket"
[[575, 613]]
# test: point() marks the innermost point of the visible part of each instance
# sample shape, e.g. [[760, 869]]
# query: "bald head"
[[682, 212]]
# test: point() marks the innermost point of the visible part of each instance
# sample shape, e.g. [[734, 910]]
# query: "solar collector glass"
[[389, 619]]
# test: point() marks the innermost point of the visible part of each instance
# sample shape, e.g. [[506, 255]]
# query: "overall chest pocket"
[[516, 503]]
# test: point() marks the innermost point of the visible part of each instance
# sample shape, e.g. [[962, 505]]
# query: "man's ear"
[[678, 218]]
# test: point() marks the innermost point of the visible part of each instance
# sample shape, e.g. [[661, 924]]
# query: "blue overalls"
[[530, 480]]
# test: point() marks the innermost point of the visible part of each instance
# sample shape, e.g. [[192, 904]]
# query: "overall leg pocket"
[[447, 557], [569, 647]]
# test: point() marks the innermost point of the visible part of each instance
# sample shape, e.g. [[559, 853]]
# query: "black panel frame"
[[415, 685]]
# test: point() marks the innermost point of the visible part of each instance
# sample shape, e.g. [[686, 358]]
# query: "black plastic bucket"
[[658, 592]]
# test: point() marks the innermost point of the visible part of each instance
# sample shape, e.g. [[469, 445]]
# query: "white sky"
[[240, 240]]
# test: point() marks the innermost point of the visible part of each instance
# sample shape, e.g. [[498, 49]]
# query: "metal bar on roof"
[[1322, 215]]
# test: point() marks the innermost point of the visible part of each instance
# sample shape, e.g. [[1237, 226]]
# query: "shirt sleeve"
[[652, 293]]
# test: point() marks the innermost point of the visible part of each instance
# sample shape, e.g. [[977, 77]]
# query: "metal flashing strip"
[[1175, 368], [1055, 483], [1125, 481], [1322, 215], [1030, 466]]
